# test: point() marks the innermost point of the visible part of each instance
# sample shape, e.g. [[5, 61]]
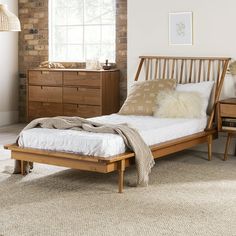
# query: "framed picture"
[[181, 28]]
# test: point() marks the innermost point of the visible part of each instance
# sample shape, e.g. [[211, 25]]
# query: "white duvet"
[[153, 131]]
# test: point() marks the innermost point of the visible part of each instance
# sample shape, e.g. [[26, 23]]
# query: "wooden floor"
[[9, 133]]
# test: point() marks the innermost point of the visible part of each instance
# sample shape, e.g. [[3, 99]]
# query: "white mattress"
[[153, 131]]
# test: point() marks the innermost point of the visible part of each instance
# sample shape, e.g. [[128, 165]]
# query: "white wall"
[[213, 28], [9, 72]]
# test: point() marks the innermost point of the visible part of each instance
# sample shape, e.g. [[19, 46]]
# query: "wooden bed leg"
[[121, 169], [23, 167], [210, 147], [22, 171]]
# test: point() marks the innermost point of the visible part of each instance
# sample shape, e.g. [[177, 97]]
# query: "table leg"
[[227, 145]]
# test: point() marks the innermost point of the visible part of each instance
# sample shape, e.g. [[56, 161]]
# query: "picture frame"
[[181, 28]]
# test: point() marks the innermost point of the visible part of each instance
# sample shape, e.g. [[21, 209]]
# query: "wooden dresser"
[[70, 92]]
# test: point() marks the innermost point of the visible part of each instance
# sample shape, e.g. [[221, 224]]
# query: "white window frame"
[[50, 37]]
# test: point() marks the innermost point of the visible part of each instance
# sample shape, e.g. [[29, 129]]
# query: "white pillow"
[[203, 88], [179, 105]]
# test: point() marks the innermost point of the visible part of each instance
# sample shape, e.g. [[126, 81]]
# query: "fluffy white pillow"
[[203, 88], [179, 105]]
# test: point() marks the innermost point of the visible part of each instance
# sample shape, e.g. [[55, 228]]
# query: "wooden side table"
[[226, 110]]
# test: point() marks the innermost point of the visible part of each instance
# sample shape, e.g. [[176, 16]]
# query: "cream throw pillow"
[[179, 105], [204, 89], [142, 97]]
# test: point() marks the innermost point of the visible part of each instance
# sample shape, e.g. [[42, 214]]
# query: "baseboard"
[[7, 118], [218, 145]]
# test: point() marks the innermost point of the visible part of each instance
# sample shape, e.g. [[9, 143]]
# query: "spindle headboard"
[[186, 70]]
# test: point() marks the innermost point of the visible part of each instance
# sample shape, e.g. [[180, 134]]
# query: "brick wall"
[[121, 45], [33, 43]]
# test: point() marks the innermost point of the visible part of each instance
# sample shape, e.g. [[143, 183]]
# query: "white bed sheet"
[[153, 131]]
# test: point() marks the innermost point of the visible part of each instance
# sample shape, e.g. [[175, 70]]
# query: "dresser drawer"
[[45, 94], [87, 96], [228, 110], [85, 111], [82, 78], [43, 109], [45, 78]]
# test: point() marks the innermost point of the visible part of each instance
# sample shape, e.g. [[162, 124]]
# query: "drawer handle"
[[41, 87], [44, 72], [81, 89], [81, 106]]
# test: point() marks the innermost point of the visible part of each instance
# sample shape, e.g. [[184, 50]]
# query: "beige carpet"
[[187, 196]]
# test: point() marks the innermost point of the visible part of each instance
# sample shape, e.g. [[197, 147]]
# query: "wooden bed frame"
[[184, 70]]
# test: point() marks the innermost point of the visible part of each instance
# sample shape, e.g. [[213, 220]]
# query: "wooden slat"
[[168, 69], [190, 71], [139, 69], [199, 71], [181, 72], [221, 80], [218, 76], [147, 69], [160, 69], [218, 71], [177, 70], [209, 70], [164, 70], [156, 69], [173, 68]]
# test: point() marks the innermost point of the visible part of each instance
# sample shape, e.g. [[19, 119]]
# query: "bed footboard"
[[84, 163]]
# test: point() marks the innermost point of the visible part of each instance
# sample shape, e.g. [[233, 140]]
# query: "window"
[[81, 30]]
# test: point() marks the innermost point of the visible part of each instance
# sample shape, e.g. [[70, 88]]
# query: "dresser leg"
[[227, 146]]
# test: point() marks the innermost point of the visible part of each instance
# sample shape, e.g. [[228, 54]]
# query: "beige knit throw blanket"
[[143, 155]]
